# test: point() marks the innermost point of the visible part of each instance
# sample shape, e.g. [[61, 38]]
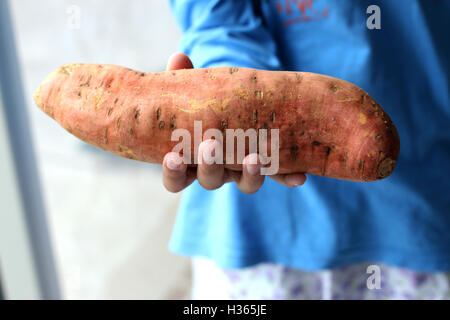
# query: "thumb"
[[179, 60]]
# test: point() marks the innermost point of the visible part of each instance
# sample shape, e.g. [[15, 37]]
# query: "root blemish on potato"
[[255, 116], [223, 125], [233, 70], [172, 122], [105, 137], [294, 152], [87, 83], [361, 166], [118, 123], [385, 168], [259, 94], [137, 113]]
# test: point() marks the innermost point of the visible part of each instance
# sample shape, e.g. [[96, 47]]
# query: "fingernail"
[[174, 162], [207, 152], [252, 165], [253, 169], [295, 180], [207, 156]]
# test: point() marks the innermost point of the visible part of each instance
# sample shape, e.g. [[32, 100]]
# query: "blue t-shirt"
[[403, 220]]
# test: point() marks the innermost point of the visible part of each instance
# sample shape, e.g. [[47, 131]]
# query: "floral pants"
[[357, 281]]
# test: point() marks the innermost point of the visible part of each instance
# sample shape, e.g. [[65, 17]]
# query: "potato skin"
[[328, 127]]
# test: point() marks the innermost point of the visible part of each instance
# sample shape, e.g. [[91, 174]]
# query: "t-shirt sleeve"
[[225, 33]]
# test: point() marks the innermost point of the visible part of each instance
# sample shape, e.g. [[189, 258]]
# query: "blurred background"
[[109, 218]]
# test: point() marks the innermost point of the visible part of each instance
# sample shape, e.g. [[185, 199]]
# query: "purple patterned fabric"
[[272, 281]]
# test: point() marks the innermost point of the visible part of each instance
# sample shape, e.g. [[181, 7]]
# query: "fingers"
[[251, 179], [290, 180], [176, 177], [179, 60], [210, 175]]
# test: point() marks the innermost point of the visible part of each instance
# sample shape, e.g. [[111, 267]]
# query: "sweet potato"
[[327, 126]]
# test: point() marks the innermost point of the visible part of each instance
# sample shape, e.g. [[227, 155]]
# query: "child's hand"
[[177, 175]]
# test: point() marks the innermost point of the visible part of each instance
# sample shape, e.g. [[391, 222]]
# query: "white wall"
[[110, 218]]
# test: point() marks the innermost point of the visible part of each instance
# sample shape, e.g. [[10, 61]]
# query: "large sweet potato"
[[327, 126]]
